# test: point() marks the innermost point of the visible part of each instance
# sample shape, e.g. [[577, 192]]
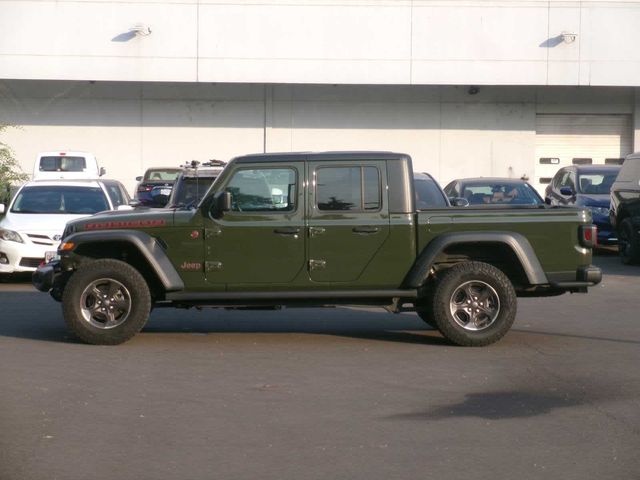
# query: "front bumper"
[[45, 276], [21, 257]]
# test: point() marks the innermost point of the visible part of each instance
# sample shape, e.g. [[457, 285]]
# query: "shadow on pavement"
[[500, 405]]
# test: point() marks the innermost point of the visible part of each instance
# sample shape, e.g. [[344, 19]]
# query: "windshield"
[[501, 193], [62, 164], [190, 190], [596, 183], [56, 199], [428, 194], [161, 174]]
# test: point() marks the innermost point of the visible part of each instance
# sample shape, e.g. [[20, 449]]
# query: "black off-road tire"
[[457, 276], [424, 309], [126, 275], [628, 243]]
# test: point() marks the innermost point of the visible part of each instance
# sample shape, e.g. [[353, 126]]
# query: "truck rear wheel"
[[628, 243], [106, 302], [474, 304]]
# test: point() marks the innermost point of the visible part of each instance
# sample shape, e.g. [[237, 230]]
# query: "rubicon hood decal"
[[117, 224]]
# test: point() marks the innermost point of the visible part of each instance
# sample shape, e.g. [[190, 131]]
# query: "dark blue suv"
[[587, 186]]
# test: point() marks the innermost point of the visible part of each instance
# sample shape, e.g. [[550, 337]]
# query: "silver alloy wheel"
[[474, 305], [105, 303]]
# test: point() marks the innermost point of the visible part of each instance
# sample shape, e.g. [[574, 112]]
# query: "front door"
[[348, 219], [262, 239]]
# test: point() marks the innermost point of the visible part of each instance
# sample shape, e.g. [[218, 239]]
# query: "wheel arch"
[[139, 249], [487, 247]]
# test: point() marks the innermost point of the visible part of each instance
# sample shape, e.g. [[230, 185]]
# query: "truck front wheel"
[[106, 302], [474, 304]]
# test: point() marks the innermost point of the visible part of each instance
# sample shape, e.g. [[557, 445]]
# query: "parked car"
[[587, 186], [193, 182], [33, 224], [344, 231], [625, 209], [66, 165], [493, 191], [154, 187]]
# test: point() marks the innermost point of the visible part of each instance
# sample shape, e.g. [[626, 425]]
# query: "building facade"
[[468, 88]]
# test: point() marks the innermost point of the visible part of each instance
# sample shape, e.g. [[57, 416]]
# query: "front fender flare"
[[515, 241], [150, 249]]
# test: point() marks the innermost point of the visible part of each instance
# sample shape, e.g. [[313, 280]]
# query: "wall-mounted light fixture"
[[568, 37], [140, 29]]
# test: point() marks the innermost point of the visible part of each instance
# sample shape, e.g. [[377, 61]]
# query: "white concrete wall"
[[132, 126], [464, 42]]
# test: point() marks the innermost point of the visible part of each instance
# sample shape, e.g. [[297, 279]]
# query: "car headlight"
[[10, 236], [599, 210]]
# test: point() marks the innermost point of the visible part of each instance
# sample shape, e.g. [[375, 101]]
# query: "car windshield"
[[501, 193], [596, 183], [190, 190], [428, 194], [161, 174], [56, 199]]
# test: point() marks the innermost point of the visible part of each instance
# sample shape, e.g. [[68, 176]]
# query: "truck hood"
[[46, 224], [125, 220]]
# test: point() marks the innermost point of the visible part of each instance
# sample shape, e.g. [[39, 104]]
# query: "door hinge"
[[212, 232], [317, 264], [315, 231], [212, 266]]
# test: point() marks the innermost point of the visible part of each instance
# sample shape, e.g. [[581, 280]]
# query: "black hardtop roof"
[[324, 156]]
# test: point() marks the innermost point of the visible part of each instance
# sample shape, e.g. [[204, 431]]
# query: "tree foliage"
[[10, 171]]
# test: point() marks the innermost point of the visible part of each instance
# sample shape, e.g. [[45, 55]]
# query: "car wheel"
[[628, 243], [474, 304], [106, 302]]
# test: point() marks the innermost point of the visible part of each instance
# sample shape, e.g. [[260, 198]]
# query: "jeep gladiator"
[[318, 229]]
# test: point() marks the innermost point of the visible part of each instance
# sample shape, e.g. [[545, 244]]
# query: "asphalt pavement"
[[325, 394]]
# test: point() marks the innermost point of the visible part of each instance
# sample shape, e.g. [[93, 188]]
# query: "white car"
[[66, 164], [31, 229]]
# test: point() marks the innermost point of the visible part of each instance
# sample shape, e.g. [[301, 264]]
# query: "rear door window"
[[348, 188]]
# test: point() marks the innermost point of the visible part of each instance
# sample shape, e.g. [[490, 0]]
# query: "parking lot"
[[325, 394]]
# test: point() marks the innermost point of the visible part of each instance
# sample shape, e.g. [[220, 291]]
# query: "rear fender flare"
[[516, 242]]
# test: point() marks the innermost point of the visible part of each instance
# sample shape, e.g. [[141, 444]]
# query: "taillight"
[[588, 236], [145, 188]]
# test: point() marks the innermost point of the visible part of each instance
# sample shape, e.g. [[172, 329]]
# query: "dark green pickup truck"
[[319, 229]]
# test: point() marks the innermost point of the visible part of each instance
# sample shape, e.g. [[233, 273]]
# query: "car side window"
[[348, 188], [263, 190], [115, 195]]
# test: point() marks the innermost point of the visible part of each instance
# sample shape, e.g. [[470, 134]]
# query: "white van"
[[66, 165]]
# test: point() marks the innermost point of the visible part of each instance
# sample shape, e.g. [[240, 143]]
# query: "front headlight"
[[599, 210], [10, 236]]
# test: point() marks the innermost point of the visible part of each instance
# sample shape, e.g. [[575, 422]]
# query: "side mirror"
[[103, 171], [221, 203], [135, 203], [2, 207], [139, 178], [459, 202], [566, 191]]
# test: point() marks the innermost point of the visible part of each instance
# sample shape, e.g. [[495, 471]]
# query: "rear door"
[[348, 218]]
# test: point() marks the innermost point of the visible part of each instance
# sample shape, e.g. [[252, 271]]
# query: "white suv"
[[31, 229]]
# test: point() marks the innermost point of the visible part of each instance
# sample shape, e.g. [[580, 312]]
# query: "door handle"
[[287, 231], [313, 231], [365, 230]]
